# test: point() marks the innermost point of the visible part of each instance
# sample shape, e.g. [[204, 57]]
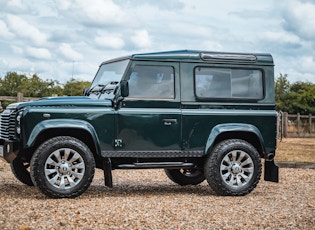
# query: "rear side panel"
[[201, 115], [199, 122]]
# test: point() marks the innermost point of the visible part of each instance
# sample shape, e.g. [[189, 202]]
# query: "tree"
[[298, 97], [36, 87], [282, 91], [74, 87], [12, 84], [303, 97]]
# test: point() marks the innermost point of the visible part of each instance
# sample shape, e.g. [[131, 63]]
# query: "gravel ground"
[[147, 199]]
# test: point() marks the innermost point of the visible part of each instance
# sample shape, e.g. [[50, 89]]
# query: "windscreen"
[[110, 72]]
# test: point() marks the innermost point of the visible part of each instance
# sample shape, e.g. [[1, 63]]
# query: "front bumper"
[[8, 150]]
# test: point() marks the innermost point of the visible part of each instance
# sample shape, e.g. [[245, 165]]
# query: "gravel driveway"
[[147, 199]]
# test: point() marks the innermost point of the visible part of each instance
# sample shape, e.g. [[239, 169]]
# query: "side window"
[[152, 82], [228, 83]]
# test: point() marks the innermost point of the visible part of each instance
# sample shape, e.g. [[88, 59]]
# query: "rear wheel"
[[233, 168], [185, 176], [62, 167], [21, 171]]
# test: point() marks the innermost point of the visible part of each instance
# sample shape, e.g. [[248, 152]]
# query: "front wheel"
[[62, 167], [21, 171], [233, 168], [185, 176]]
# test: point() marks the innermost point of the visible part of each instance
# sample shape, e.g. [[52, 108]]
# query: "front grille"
[[7, 124]]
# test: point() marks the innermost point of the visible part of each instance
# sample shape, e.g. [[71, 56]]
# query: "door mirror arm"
[[124, 92]]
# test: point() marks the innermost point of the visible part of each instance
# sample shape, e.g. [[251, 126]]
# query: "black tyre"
[[62, 167], [233, 168], [185, 176], [21, 171]]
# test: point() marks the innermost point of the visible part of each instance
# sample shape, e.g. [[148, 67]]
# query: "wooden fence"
[[18, 98], [296, 125]]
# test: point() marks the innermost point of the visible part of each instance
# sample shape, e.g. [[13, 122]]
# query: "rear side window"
[[227, 83]]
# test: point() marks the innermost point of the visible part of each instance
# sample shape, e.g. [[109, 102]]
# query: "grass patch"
[[296, 150]]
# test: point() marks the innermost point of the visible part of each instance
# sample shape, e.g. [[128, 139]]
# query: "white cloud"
[[308, 64], [87, 33], [210, 45], [299, 17], [110, 41], [25, 30], [95, 14], [166, 5], [195, 30], [101, 11], [62, 4], [280, 36], [17, 64], [16, 6], [5, 33], [39, 53], [299, 68], [17, 50], [141, 39], [69, 53]]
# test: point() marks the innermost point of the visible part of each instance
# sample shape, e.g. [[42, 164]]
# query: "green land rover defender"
[[198, 115]]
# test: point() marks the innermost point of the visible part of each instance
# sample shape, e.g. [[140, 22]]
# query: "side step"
[[156, 165], [107, 167]]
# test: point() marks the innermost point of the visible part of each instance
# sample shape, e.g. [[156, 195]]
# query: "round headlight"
[[18, 118]]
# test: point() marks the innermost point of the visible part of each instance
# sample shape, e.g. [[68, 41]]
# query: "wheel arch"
[[244, 132], [79, 129]]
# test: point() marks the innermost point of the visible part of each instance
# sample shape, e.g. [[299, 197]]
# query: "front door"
[[149, 120]]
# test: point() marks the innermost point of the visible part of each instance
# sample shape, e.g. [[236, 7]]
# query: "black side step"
[[156, 165]]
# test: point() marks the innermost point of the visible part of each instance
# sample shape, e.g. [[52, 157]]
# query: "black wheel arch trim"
[[230, 129], [55, 124]]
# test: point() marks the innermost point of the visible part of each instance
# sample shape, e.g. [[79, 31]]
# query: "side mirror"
[[124, 88]]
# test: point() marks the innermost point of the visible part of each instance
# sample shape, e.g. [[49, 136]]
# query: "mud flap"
[[107, 167], [271, 171]]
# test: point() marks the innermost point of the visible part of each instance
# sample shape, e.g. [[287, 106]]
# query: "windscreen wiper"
[[93, 89], [103, 88], [109, 87]]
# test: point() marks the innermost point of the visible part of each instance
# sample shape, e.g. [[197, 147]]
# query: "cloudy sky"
[[58, 39]]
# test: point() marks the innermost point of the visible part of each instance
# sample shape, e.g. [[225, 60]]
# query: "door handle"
[[170, 121]]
